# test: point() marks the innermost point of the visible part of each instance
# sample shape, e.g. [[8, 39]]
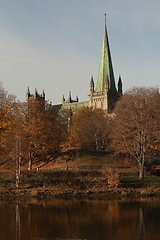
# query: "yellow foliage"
[[5, 124]]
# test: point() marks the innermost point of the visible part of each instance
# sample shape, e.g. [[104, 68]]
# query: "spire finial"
[[105, 18]]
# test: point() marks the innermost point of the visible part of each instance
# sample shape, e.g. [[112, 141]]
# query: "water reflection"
[[75, 219], [18, 223], [141, 229]]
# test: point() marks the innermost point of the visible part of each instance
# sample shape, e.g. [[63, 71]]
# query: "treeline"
[[34, 131], [30, 131]]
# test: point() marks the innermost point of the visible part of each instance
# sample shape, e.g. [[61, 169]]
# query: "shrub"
[[112, 177]]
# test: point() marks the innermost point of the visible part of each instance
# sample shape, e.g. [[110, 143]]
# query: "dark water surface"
[[81, 219]]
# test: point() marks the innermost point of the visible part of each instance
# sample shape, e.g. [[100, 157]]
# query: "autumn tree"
[[89, 129], [6, 109], [136, 125], [4, 127], [15, 140], [43, 131], [10, 131]]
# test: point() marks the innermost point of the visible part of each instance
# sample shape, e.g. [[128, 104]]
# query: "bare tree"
[[136, 126]]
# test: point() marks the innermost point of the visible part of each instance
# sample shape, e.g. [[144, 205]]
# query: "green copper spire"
[[105, 68]]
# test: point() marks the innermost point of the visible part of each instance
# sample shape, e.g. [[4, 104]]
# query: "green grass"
[[133, 181], [89, 158], [50, 178]]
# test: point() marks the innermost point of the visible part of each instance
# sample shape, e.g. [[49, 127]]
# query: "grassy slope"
[[99, 178]]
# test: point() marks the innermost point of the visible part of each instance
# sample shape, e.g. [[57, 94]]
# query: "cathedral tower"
[[105, 94], [35, 101]]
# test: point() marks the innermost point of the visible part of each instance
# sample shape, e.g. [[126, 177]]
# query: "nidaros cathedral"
[[103, 95]]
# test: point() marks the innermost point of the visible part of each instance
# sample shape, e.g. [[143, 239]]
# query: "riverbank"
[[66, 193], [67, 184]]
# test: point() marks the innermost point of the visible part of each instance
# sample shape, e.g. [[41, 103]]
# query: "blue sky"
[[55, 45]]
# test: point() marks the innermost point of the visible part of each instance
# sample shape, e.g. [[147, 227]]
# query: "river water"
[[81, 219]]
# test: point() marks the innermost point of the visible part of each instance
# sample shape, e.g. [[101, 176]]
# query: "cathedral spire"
[[105, 68]]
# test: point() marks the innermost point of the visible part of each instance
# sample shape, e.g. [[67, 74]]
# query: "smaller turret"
[[35, 93], [70, 98], [63, 99], [77, 99], [43, 94], [158, 89], [91, 85], [120, 85], [28, 94]]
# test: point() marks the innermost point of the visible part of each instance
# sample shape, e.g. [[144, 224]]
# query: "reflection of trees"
[[113, 211], [76, 219], [81, 220], [18, 223], [141, 228]]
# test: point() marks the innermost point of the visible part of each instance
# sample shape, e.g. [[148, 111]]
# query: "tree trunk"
[[18, 160], [18, 171], [30, 159], [30, 162], [141, 168], [141, 173]]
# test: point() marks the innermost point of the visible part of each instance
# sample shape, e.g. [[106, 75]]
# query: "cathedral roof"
[[105, 69], [74, 106]]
